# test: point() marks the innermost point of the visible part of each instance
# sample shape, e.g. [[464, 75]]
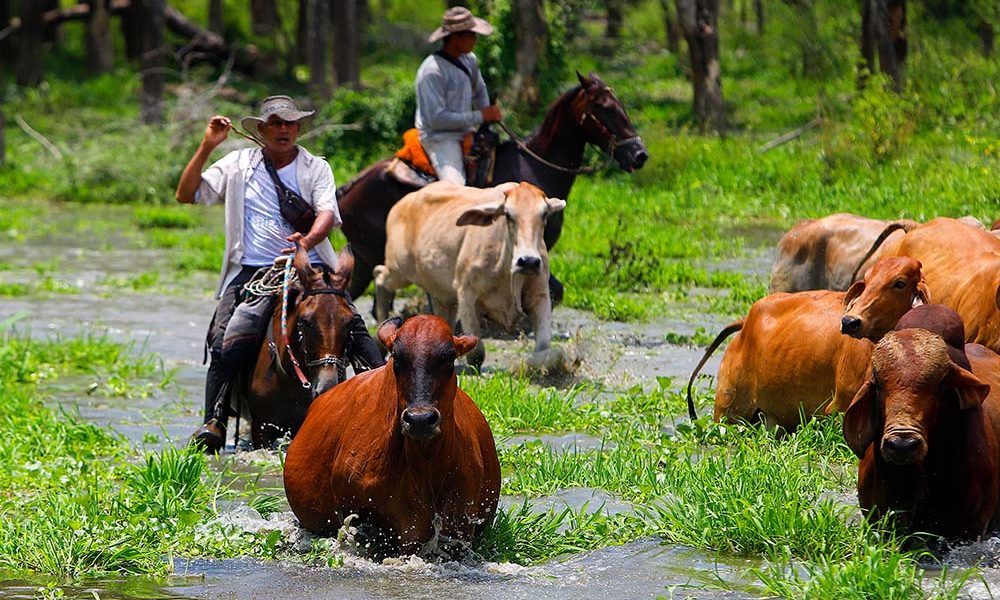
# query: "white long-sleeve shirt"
[[448, 105]]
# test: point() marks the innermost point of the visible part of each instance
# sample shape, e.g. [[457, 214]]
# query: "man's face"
[[465, 41], [279, 135]]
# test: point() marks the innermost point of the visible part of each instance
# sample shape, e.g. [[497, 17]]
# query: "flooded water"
[[172, 325]]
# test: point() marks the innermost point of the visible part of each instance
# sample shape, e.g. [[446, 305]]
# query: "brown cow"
[[926, 425], [790, 355], [823, 254], [962, 267], [400, 446]]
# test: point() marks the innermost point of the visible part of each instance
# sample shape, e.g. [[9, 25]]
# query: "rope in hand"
[[269, 282]]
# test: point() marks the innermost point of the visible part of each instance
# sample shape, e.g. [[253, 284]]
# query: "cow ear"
[[923, 295], [481, 215], [387, 331], [345, 266], [861, 422], [554, 205], [464, 343], [301, 263], [971, 390], [853, 292]]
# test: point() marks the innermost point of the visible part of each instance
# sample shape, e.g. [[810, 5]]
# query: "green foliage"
[[381, 116]]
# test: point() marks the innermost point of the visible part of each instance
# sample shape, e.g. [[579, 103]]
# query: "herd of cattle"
[[908, 352]]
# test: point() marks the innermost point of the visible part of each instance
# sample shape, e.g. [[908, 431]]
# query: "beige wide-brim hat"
[[282, 106], [459, 18]]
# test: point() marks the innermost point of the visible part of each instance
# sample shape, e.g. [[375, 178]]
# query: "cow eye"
[[899, 284]]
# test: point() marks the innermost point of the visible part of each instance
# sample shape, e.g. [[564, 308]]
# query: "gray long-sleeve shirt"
[[448, 105]]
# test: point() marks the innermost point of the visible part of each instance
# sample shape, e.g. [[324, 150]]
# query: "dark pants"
[[361, 351]]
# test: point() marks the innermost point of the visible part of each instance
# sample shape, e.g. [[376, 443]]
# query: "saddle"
[[413, 167]]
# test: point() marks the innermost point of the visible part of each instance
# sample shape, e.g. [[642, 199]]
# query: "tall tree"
[[31, 34], [883, 30], [531, 37], [616, 14], [672, 27], [987, 36], [319, 36], [100, 53], [215, 19], [346, 43], [263, 17], [8, 52], [758, 9], [302, 33], [133, 26], [698, 19], [153, 61], [53, 30]]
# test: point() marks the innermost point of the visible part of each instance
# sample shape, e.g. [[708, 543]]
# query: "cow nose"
[[421, 423], [850, 324], [528, 263], [901, 449]]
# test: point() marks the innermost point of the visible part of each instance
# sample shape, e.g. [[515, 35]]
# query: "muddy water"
[[171, 324]]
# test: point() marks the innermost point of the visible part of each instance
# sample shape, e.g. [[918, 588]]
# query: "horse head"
[[605, 123], [320, 320]]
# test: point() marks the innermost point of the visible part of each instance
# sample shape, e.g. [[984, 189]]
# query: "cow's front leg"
[[537, 304], [468, 316], [386, 284]]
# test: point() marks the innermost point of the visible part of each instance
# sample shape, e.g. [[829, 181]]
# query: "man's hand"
[[491, 114], [217, 130], [302, 240]]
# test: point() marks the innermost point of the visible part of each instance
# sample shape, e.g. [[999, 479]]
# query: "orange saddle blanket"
[[413, 154]]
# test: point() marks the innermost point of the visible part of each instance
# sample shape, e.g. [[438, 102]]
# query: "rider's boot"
[[211, 436]]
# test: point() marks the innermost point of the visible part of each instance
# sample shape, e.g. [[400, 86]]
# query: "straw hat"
[[459, 18], [282, 106]]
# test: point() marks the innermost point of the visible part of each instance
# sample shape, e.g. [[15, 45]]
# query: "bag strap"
[[458, 64], [282, 190]]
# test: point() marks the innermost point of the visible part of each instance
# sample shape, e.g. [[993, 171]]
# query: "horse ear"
[[464, 344], [387, 331], [861, 423], [345, 265], [481, 215], [301, 263], [584, 81], [595, 80]]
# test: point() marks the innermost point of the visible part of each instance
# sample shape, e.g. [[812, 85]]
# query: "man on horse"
[[250, 182], [452, 98]]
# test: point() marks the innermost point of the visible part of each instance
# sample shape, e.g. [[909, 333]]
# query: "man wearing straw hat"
[[452, 98], [256, 232]]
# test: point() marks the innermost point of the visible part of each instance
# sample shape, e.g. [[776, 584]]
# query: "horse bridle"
[[327, 359], [613, 141]]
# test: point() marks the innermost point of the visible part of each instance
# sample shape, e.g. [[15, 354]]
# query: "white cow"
[[475, 252]]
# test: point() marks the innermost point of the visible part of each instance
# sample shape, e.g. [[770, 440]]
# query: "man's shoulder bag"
[[294, 208]]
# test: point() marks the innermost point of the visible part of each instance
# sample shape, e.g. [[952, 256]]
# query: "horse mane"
[[559, 110]]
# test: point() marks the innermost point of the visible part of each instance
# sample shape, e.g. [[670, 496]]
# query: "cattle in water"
[[476, 252], [926, 425], [790, 356], [400, 446], [961, 264]]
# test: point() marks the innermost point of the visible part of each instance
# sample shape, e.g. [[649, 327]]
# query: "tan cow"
[[832, 252], [791, 356], [961, 264], [477, 252], [823, 254]]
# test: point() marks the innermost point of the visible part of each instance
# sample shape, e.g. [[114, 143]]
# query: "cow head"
[[423, 352], [319, 323], [914, 385], [890, 288], [525, 210]]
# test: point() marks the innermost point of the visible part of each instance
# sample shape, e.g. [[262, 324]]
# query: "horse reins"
[[613, 144]]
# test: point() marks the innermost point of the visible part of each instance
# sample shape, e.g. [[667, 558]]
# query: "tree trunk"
[[132, 29], [671, 26], [758, 9], [698, 20], [302, 34], [100, 51], [153, 61], [531, 35], [216, 23], [883, 25], [263, 17], [615, 17], [346, 43], [53, 31], [319, 39], [987, 36], [8, 51], [31, 34]]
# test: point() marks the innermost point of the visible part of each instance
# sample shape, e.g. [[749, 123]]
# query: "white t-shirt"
[[264, 231]]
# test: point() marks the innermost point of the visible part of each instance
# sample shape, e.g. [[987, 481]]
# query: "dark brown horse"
[[291, 371], [587, 114]]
